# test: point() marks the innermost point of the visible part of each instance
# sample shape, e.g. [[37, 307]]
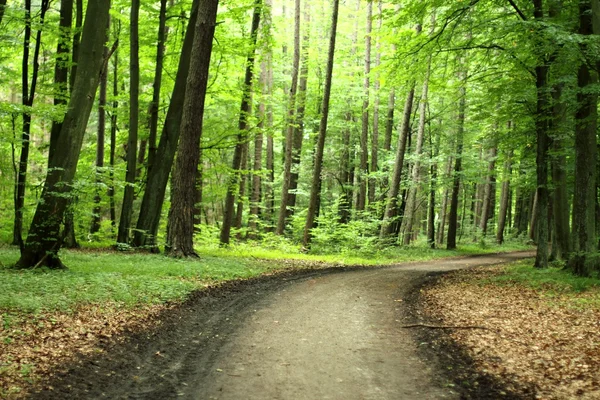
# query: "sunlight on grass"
[[100, 276]]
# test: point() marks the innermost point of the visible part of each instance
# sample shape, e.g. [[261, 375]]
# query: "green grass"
[[129, 278], [552, 279]]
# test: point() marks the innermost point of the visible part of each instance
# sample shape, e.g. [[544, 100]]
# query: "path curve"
[[318, 335]]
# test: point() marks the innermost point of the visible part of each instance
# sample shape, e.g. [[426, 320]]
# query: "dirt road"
[[323, 334]]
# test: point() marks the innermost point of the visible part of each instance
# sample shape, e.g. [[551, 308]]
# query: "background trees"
[[487, 122]]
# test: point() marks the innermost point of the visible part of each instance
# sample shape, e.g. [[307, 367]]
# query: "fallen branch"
[[444, 326]]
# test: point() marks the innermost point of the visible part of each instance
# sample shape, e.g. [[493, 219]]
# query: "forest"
[[333, 125]]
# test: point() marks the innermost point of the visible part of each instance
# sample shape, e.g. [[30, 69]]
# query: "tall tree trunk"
[[289, 135], [345, 166], [375, 133], [180, 236], [315, 191], [504, 196], [96, 217], [2, 7], [364, 136], [298, 136], [43, 241], [584, 198], [391, 208], [488, 190], [444, 207], [158, 173], [453, 214], [156, 85], [242, 137], [132, 141], [28, 94], [410, 215], [257, 164], [113, 136]]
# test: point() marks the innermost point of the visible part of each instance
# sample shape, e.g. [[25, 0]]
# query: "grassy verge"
[[129, 279]]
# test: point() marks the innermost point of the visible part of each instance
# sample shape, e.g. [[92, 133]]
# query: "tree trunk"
[[180, 236], [345, 166], [156, 85], [2, 7], [375, 133], [298, 136], [158, 173], [410, 215], [291, 119], [96, 217], [488, 191], [315, 191], [245, 108], [444, 206], [364, 136], [391, 209], [453, 214], [237, 224], [28, 94], [134, 90], [43, 241], [504, 197], [257, 165], [113, 138], [584, 198]]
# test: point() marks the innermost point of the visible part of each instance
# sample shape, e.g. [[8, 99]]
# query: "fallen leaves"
[[33, 346], [538, 339]]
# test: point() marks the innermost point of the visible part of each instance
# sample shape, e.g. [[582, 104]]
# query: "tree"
[[43, 241], [134, 92], [242, 136], [316, 187], [364, 133], [181, 214]]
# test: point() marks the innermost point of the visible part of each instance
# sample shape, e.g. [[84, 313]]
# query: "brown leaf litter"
[[538, 339]]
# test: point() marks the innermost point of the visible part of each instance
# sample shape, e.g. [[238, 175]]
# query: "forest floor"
[[325, 332], [321, 333]]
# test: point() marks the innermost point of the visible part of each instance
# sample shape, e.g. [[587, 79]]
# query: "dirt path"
[[329, 334]]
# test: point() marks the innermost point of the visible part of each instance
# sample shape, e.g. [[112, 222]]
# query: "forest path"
[[330, 334]]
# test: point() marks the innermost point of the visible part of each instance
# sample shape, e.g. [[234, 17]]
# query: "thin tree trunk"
[[391, 209], [113, 137], [242, 189], [245, 108], [158, 173], [156, 85], [488, 191], [444, 206], [375, 133], [560, 196], [345, 166], [364, 136], [410, 215], [257, 165], [315, 192], [291, 119], [453, 214], [180, 236], [132, 141], [43, 241], [504, 197]]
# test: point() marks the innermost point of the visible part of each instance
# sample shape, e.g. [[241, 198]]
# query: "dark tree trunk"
[[113, 138], [488, 191], [242, 137], [43, 241], [315, 191], [28, 94], [584, 198], [364, 136], [291, 119], [96, 217], [180, 236], [504, 198], [76, 41], [453, 214], [132, 141], [156, 85], [158, 173], [345, 166], [2, 7], [242, 190], [391, 207]]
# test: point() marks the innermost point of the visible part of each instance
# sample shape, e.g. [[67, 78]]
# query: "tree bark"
[[504, 197], [289, 136], [315, 191], [158, 173], [375, 134], [180, 237], [113, 137], [364, 136], [132, 141], [43, 241], [391, 209], [488, 190], [584, 198], [242, 137]]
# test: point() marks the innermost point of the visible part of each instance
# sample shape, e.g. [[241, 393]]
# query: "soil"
[[321, 334]]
